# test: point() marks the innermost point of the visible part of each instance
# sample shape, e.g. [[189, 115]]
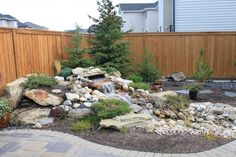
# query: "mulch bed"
[[142, 141]]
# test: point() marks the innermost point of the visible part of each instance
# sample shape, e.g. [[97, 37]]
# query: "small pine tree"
[[76, 53], [147, 70], [106, 46], [202, 69]]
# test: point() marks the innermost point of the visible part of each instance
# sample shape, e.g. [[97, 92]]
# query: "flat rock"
[[178, 77], [79, 113], [128, 120], [42, 98], [14, 92], [161, 95], [136, 108]]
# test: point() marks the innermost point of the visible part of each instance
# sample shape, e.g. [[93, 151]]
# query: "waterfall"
[[108, 88]]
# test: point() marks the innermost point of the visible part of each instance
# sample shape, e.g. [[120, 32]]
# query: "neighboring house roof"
[[34, 26], [21, 25], [7, 17], [137, 6]]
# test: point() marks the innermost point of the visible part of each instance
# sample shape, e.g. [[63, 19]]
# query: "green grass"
[[140, 85], [36, 81], [110, 108]]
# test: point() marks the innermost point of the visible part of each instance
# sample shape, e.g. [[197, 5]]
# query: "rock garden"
[[104, 98]]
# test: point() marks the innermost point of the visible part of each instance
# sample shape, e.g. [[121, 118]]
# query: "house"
[[8, 21], [180, 16], [204, 15], [140, 17], [11, 22]]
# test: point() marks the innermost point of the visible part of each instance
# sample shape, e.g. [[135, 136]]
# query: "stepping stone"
[[230, 94], [206, 92], [182, 91]]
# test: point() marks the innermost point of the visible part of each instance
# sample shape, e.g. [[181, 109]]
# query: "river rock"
[[136, 108], [76, 105], [43, 98], [78, 71], [181, 116], [14, 92], [88, 104], [232, 117], [178, 77], [59, 78], [173, 115], [88, 96], [56, 91], [79, 113], [72, 97], [83, 99], [67, 103], [27, 116], [98, 94], [128, 120]]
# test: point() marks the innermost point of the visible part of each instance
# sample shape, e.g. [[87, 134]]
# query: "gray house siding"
[[205, 15]]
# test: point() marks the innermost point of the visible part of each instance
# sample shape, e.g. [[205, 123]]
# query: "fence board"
[[25, 51]]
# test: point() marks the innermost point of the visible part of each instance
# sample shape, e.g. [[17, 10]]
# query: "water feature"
[[108, 88]]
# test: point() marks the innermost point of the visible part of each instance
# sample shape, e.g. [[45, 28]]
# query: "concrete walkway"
[[41, 143]]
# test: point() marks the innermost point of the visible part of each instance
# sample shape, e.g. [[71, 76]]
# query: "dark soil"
[[140, 140]]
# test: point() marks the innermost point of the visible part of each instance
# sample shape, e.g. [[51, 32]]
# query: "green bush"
[[82, 125], [176, 103], [66, 72], [36, 81], [140, 85], [135, 78], [110, 108], [202, 69], [147, 70], [4, 106], [76, 53], [109, 70]]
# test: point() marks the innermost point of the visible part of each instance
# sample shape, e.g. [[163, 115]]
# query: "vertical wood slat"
[[32, 51]]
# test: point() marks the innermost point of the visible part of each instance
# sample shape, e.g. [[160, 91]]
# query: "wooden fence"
[[31, 51]]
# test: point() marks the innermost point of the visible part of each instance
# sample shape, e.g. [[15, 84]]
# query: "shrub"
[[194, 87], [140, 85], [147, 70], [176, 103], [82, 125], [66, 72], [109, 70], [202, 69], [110, 108], [4, 106], [107, 46], [76, 53], [36, 81], [135, 78]]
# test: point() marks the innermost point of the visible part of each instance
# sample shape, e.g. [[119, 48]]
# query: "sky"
[[58, 15]]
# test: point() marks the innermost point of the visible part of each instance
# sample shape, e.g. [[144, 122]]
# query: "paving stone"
[[60, 147]]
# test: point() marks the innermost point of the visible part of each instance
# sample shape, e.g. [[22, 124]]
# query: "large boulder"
[[128, 120], [28, 116], [43, 98], [14, 91], [178, 77], [161, 95]]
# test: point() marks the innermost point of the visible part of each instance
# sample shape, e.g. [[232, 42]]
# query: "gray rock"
[[43, 98], [210, 117], [88, 104], [78, 71], [181, 116], [14, 92], [136, 108], [161, 95], [59, 78], [232, 117], [98, 94], [173, 115], [149, 106], [180, 122], [178, 77], [79, 113], [88, 96], [72, 97], [195, 126], [67, 103], [83, 99], [76, 105], [65, 108]]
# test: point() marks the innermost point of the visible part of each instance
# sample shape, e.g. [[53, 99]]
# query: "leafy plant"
[[82, 125], [4, 106], [202, 69], [147, 70], [193, 87], [108, 69], [106, 45], [135, 78], [110, 108], [76, 53], [140, 85], [175, 103], [36, 81], [66, 72]]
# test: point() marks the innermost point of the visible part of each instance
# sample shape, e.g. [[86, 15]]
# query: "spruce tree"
[[76, 53], [106, 45]]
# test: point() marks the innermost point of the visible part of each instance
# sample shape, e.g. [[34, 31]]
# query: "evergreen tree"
[[106, 46], [76, 53]]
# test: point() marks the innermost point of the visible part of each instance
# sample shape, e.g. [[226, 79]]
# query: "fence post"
[[14, 50]]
